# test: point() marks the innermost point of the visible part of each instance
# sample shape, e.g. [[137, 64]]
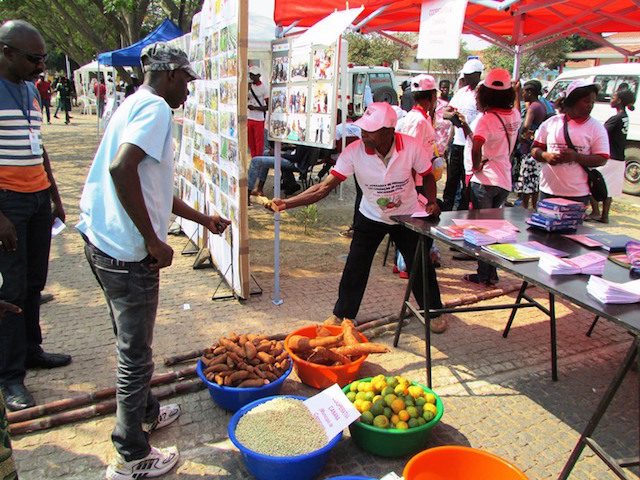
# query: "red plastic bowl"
[[322, 376]]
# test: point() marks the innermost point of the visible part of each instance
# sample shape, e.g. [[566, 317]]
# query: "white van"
[[611, 78]]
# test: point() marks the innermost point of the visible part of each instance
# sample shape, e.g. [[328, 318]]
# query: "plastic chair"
[[88, 105]]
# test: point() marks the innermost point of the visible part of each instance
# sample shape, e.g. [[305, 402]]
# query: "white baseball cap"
[[254, 70], [498, 79], [399, 111], [580, 83], [423, 83], [472, 66], [378, 115]]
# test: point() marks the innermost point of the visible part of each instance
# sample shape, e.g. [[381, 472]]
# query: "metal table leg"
[[554, 347], [426, 263], [521, 293], [407, 292], [585, 437]]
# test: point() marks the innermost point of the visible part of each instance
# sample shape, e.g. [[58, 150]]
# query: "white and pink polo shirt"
[[386, 190]]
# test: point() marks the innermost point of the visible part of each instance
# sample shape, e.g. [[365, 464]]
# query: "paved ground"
[[497, 392]]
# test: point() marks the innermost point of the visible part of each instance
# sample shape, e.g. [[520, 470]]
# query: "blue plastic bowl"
[[232, 398], [266, 467]]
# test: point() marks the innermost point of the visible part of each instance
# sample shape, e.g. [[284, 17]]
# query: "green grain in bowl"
[[283, 427]]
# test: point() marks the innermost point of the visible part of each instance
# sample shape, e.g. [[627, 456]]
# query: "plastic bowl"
[[233, 398], [266, 467], [453, 462], [392, 442], [322, 376]]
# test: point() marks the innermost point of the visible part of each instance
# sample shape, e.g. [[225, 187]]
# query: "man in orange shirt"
[[27, 192]]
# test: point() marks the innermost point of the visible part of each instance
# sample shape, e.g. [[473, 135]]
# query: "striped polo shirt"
[[20, 169]]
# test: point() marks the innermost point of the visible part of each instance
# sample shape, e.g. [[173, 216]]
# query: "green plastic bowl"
[[392, 442]]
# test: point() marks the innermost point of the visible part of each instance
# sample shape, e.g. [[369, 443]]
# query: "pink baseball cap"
[[378, 115], [498, 79], [423, 83], [580, 83]]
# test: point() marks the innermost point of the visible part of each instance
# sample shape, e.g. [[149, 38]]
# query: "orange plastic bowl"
[[454, 462], [322, 376]]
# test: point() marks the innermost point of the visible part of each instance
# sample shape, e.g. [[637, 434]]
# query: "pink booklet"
[[584, 240]]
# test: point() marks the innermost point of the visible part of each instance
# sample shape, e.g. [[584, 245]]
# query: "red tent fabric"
[[526, 22]]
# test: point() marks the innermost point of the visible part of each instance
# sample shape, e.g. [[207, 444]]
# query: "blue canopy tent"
[[130, 56]]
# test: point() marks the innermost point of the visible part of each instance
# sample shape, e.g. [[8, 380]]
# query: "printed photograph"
[[322, 98], [320, 129], [297, 128], [278, 126], [278, 100], [299, 66], [297, 100], [280, 70], [323, 63]]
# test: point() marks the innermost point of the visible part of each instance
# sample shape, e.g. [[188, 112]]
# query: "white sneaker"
[[158, 462], [168, 414]]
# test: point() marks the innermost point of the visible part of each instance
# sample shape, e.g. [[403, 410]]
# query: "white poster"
[[441, 24]]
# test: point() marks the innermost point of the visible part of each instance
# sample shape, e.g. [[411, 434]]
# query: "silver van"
[[611, 78]]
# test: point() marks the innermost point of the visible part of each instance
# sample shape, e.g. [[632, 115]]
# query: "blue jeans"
[[487, 196], [259, 168], [25, 275], [131, 291]]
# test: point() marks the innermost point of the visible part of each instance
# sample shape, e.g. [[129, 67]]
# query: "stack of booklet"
[[610, 292], [523, 252], [589, 264], [480, 238], [557, 214]]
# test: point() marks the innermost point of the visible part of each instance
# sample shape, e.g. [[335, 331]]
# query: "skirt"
[[613, 173], [529, 177]]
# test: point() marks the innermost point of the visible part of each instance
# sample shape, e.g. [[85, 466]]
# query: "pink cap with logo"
[[498, 79], [423, 83], [378, 115], [580, 83]]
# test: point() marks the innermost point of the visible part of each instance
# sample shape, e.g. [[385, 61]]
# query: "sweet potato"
[[215, 360], [264, 346], [349, 332], [238, 376], [325, 341], [321, 356], [232, 347], [219, 367], [218, 379], [218, 350], [361, 349], [322, 331], [337, 357], [253, 382], [265, 357], [298, 343], [250, 349]]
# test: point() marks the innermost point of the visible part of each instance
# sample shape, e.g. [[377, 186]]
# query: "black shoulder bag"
[[597, 185], [257, 100]]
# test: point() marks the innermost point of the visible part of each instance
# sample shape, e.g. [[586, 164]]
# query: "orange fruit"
[[381, 421], [404, 415], [402, 426], [397, 405], [395, 419]]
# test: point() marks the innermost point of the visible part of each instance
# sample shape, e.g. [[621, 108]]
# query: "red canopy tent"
[[515, 25]]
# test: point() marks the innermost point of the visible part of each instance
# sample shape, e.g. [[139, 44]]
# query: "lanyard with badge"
[[34, 136]]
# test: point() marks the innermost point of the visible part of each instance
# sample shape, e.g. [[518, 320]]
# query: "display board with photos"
[[304, 89], [211, 167]]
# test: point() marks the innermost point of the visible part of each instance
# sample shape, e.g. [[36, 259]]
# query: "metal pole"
[[343, 100], [277, 299], [516, 61], [97, 116]]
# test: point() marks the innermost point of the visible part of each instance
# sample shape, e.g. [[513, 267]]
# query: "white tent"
[[82, 77]]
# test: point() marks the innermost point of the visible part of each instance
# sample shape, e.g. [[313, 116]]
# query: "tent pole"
[[277, 298], [516, 62], [98, 116]]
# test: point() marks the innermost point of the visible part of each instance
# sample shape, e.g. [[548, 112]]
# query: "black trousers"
[[25, 274], [367, 236], [455, 180]]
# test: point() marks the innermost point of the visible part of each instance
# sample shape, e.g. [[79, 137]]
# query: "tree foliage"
[[374, 49], [84, 28], [550, 56], [449, 66]]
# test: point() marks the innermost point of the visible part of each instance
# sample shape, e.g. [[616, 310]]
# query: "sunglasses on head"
[[34, 58]]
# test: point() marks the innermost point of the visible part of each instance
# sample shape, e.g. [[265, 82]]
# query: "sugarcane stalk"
[[99, 409], [89, 398]]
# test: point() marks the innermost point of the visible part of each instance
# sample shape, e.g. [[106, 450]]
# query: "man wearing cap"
[[258, 104], [463, 102], [382, 162], [125, 208]]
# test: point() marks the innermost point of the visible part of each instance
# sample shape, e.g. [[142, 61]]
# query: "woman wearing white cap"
[[494, 138], [563, 172]]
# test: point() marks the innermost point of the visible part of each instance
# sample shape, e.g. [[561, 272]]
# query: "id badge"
[[36, 142]]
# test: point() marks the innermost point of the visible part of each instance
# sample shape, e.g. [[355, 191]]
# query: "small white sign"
[[333, 410], [57, 227], [441, 28], [391, 476]]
